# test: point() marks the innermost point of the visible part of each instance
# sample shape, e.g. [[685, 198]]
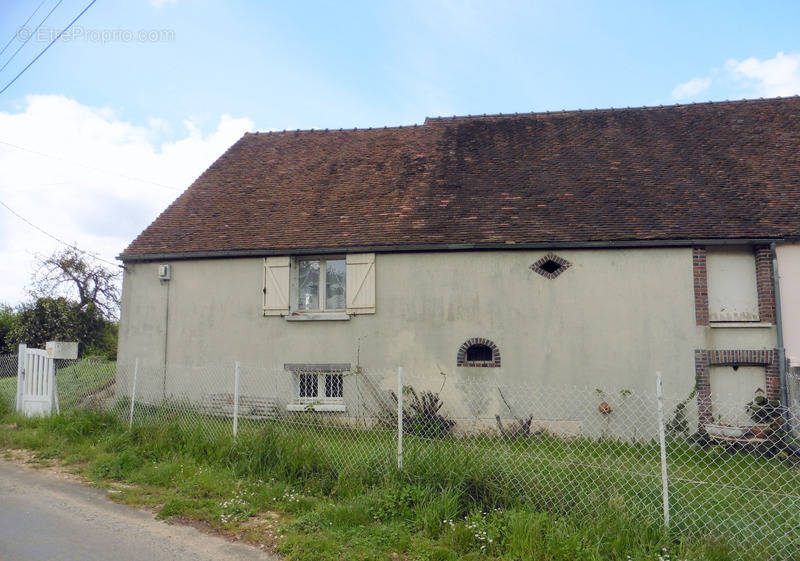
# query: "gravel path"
[[43, 518]]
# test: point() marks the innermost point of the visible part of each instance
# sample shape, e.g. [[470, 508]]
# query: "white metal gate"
[[37, 390]]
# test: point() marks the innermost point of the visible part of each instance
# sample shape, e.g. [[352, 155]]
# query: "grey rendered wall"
[[610, 321]]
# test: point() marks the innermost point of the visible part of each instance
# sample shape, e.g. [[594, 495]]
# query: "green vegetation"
[[76, 381], [59, 319], [74, 297], [8, 320], [315, 492]]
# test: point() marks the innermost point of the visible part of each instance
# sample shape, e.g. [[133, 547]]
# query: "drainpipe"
[[779, 324], [166, 343]]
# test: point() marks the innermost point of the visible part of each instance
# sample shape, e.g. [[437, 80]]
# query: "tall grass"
[[453, 501]]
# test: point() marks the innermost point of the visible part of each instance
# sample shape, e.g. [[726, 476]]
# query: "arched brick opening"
[[463, 351]]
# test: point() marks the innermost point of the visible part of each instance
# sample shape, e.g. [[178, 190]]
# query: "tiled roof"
[[709, 171]]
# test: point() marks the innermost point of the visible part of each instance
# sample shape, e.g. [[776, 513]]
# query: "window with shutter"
[[319, 287]]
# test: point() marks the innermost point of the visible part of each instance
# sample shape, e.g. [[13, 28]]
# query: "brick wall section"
[[700, 285], [743, 357], [704, 359], [703, 381], [765, 285], [773, 380]]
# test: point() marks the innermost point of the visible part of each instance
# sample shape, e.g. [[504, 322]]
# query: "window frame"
[[320, 402], [719, 263], [294, 288]]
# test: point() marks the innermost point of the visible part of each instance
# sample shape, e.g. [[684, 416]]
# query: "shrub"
[[422, 417]]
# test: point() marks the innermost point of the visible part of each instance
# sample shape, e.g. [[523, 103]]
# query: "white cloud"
[[96, 210], [691, 88], [748, 78], [778, 76]]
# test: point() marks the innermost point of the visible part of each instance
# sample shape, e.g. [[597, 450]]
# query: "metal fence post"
[[54, 387], [236, 398], [662, 441], [133, 392], [400, 417], [20, 376]]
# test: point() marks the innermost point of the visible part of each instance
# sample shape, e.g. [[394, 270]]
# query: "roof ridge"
[[570, 112], [562, 112], [329, 130]]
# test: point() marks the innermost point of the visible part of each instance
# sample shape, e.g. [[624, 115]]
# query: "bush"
[[422, 418]]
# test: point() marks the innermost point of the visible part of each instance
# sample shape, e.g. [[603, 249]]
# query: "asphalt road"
[[43, 518]]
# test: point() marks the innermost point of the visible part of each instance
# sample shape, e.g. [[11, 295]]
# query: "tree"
[[74, 298], [59, 319], [49, 319], [7, 322], [76, 276]]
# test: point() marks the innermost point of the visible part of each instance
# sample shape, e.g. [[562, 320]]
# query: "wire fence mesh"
[[734, 476]]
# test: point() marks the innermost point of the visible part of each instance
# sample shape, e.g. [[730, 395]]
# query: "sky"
[[130, 105]]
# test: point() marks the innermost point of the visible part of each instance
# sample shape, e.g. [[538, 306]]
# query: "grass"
[[316, 493], [76, 381]]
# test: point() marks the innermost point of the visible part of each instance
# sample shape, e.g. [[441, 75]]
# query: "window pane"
[[307, 385], [308, 284], [333, 385], [335, 272]]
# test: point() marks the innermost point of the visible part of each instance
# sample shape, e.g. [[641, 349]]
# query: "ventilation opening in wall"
[[479, 353], [550, 266]]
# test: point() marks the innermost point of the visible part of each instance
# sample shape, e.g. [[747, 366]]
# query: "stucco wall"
[[610, 321]]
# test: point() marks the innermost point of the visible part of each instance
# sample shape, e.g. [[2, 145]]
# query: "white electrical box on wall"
[[164, 272]]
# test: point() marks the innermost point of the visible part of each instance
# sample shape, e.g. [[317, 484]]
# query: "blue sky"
[[162, 110], [339, 64]]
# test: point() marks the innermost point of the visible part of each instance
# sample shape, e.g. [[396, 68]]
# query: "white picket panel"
[[37, 393]]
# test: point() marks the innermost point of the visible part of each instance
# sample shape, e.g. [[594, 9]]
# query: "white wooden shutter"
[[276, 286], [361, 283]]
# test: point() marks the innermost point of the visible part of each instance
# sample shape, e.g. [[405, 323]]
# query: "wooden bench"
[[250, 407]]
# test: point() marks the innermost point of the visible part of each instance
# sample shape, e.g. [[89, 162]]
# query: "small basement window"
[[478, 352], [317, 387]]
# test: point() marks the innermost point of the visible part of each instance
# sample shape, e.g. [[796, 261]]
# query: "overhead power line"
[[30, 35], [56, 238], [93, 168], [50, 44], [14, 36]]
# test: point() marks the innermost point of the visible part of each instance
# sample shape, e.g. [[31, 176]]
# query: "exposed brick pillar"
[[701, 285], [765, 285], [773, 378], [703, 380]]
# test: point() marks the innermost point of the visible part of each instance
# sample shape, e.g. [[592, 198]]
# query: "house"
[[584, 248]]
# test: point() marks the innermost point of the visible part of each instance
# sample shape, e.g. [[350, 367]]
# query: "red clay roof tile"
[[711, 171]]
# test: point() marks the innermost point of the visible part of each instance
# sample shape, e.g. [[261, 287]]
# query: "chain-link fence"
[[734, 476], [8, 366]]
